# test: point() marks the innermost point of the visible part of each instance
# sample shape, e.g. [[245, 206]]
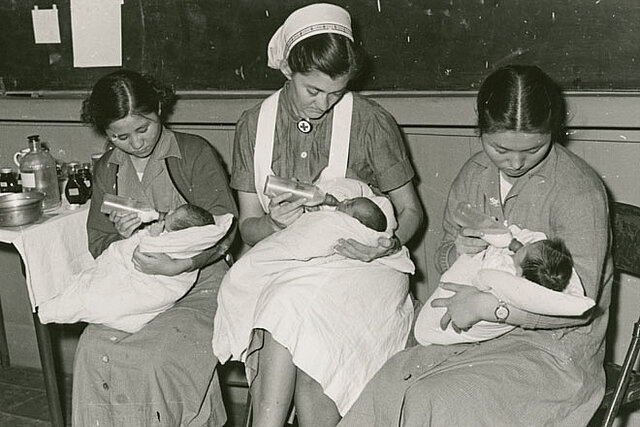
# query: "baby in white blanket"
[[112, 292], [537, 277]]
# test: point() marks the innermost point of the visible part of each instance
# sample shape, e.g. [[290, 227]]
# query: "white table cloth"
[[51, 248]]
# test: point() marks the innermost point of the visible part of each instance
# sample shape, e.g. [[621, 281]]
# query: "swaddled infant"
[[538, 276], [112, 292]]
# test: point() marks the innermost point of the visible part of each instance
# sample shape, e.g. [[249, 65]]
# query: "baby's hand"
[[156, 228]]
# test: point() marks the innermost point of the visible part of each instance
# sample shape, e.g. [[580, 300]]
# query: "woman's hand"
[[466, 307], [125, 224], [356, 250], [469, 242], [283, 212], [157, 263]]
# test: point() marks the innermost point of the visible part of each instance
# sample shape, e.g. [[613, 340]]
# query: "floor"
[[23, 401]]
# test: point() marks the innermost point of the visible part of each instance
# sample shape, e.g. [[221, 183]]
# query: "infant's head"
[[546, 262], [364, 210], [182, 217]]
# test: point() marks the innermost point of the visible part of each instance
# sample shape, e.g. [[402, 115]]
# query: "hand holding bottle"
[[469, 241], [312, 195], [283, 211]]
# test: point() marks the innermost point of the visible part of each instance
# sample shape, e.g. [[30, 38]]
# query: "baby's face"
[[348, 206], [522, 253], [164, 223]]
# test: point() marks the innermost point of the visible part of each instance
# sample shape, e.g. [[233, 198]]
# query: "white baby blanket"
[[112, 292], [340, 318], [515, 291]]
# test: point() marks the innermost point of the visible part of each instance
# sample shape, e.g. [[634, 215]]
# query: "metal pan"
[[20, 208]]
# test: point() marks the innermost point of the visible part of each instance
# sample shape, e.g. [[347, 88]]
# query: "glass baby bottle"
[[315, 196]]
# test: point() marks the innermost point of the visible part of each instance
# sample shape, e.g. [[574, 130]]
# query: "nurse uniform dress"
[[339, 340]]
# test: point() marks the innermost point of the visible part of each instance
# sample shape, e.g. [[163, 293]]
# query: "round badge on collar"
[[304, 126]]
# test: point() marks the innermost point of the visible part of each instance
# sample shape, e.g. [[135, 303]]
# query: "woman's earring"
[[159, 110]]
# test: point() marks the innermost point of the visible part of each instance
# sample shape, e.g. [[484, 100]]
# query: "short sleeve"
[[242, 169], [384, 148]]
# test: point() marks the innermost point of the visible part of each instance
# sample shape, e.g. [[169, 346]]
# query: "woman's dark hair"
[[332, 54], [551, 265], [521, 98], [124, 92]]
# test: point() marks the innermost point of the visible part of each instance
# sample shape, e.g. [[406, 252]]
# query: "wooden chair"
[[623, 382]]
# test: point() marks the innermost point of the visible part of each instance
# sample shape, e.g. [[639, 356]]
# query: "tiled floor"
[[23, 401]]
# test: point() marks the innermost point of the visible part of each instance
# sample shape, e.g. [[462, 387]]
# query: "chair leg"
[[625, 375]]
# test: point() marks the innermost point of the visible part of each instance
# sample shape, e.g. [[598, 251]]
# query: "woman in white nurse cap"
[[315, 130]]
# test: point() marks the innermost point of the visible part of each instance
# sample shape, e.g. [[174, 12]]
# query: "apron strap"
[[263, 150], [265, 134], [340, 137]]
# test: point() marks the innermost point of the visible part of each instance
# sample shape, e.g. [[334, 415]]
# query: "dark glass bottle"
[[85, 175], [75, 190], [8, 182]]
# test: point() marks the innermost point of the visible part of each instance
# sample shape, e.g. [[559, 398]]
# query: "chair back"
[[625, 225], [623, 383]]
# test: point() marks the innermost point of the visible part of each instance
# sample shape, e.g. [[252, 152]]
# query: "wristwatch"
[[501, 312]]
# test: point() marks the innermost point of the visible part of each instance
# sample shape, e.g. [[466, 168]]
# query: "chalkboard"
[[412, 44]]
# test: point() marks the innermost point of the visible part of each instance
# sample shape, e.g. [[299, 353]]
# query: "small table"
[[50, 248]]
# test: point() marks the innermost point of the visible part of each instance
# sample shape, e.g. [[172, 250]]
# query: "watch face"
[[502, 312]]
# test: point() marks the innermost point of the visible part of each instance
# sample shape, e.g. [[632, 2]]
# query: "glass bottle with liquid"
[[38, 173], [85, 174], [467, 216], [75, 190], [8, 181], [493, 231], [276, 185]]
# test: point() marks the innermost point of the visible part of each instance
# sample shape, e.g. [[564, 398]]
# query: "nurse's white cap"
[[319, 18]]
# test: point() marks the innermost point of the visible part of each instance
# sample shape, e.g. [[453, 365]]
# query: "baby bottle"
[[494, 232], [276, 185], [125, 205], [467, 216]]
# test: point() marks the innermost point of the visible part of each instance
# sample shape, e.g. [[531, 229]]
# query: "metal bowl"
[[20, 208]]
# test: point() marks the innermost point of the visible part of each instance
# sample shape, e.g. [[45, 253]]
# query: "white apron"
[[263, 151]]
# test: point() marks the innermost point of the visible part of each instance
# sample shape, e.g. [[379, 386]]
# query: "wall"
[[440, 136]]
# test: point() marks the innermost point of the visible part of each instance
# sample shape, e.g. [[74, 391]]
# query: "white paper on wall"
[[46, 28], [96, 33]]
